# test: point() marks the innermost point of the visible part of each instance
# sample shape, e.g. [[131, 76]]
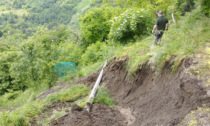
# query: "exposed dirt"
[[144, 98], [155, 100], [100, 115], [87, 80]]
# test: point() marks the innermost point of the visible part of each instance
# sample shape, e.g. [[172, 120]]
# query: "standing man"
[[161, 25]]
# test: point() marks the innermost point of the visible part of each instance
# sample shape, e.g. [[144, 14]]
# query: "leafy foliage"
[[128, 25], [24, 17], [205, 6], [32, 64], [152, 5], [95, 52], [185, 6], [95, 26], [6, 80]]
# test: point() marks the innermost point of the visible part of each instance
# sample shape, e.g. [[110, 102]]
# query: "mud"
[[100, 115], [163, 99]]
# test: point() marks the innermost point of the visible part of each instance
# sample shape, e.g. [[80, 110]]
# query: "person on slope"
[[161, 25]]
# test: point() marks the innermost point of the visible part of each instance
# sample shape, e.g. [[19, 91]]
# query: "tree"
[[95, 26], [184, 6], [152, 5]]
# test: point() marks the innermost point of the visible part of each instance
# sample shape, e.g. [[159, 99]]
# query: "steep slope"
[[163, 99]]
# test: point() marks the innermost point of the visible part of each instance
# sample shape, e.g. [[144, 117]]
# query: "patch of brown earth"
[[87, 80], [100, 115], [156, 100]]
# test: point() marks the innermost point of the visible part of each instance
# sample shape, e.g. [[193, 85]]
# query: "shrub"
[[94, 53], [131, 23], [34, 61], [205, 6], [6, 81], [69, 52], [95, 26], [185, 6]]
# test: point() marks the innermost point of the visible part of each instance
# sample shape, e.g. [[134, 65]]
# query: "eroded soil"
[[100, 115], [145, 98], [163, 99]]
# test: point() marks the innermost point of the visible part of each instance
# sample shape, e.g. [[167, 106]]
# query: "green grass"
[[82, 102], [85, 70], [103, 97], [55, 115], [71, 94], [19, 97], [137, 53], [31, 109], [181, 41], [77, 94]]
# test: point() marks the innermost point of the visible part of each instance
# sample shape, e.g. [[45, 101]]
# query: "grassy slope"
[[183, 39], [77, 94]]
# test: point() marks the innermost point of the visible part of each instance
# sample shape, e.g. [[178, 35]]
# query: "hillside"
[[46, 76], [20, 19]]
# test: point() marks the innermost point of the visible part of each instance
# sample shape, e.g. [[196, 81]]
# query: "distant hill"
[[21, 18]]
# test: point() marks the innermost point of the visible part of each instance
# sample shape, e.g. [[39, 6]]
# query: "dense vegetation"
[[35, 35]]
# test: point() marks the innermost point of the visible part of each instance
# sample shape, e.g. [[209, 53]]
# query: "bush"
[[205, 6], [131, 23], [38, 55], [6, 80], [184, 6], [69, 52], [94, 53], [95, 26]]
